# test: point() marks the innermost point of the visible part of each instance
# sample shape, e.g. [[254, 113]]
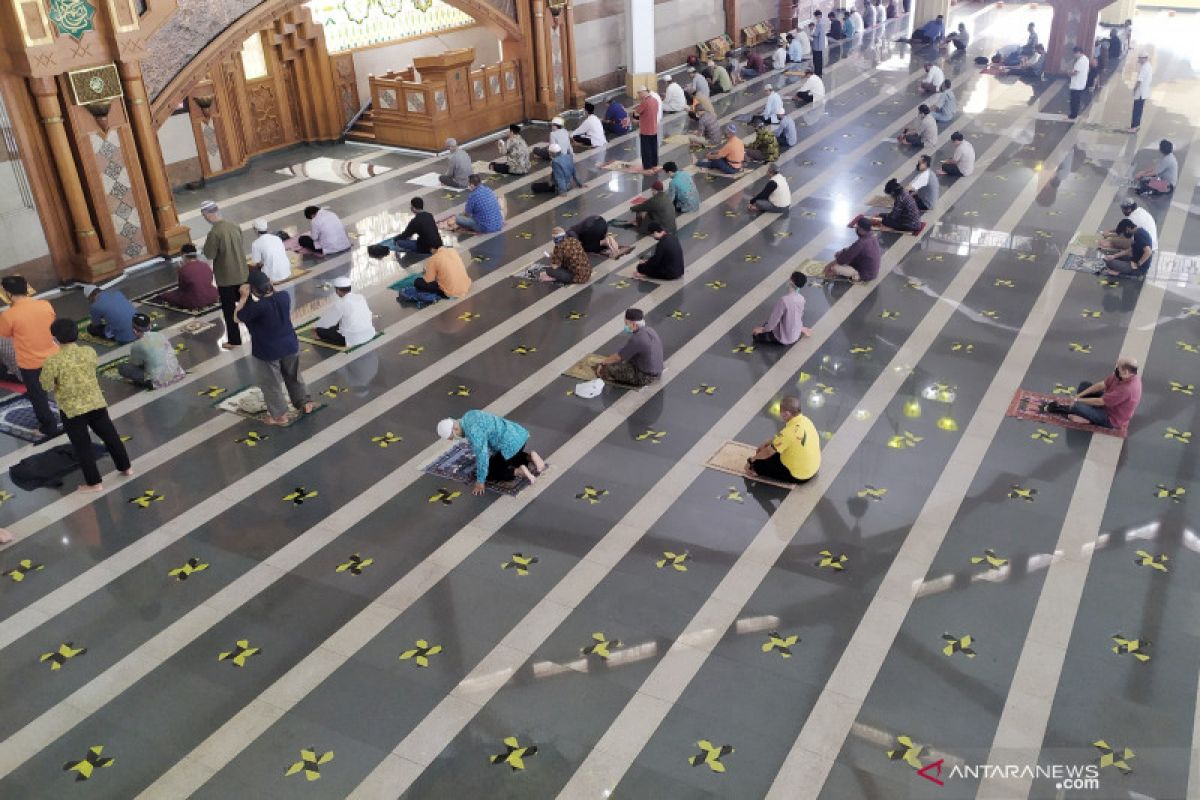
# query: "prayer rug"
[[920, 229], [405, 282], [716, 173], [731, 458], [297, 271], [531, 273], [98, 341], [631, 272], [197, 327], [584, 370], [155, 299], [879, 201], [677, 139], [1088, 241], [1077, 263], [248, 402], [17, 418], [1028, 405], [109, 371], [458, 464], [992, 70], [812, 267], [307, 332], [622, 166]]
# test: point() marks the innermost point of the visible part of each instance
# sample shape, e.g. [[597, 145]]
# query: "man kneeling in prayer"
[[794, 455], [499, 446]]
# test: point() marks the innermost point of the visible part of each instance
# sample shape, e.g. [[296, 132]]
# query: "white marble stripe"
[[813, 753], [627, 736], [1022, 726], [59, 508], [222, 746]]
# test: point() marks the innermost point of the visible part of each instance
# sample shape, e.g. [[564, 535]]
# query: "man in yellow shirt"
[[794, 455]]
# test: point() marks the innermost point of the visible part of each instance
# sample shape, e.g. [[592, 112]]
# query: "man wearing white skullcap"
[[268, 253], [499, 446], [347, 321]]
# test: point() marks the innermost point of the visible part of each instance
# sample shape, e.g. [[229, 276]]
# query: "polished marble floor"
[[675, 632]]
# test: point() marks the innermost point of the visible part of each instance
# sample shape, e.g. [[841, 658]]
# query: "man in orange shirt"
[[646, 114], [27, 323], [730, 157], [445, 276]]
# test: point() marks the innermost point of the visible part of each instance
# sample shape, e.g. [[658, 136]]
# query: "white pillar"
[[927, 10], [1118, 12], [639, 46]]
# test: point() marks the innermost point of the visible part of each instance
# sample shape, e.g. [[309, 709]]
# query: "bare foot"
[[526, 474], [538, 463], [90, 488], [127, 472], [5, 536], [228, 346], [269, 420]]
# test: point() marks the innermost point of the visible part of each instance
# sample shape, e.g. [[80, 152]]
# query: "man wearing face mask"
[[786, 324], [640, 361], [568, 263], [1109, 403]]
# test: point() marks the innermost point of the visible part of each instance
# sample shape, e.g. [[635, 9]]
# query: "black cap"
[[141, 322], [259, 280]]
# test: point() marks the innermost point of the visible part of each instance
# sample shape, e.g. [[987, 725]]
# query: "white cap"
[[1143, 54], [589, 389], [445, 428], [554, 148], [341, 282], [208, 207], [260, 225], [557, 121], [769, 88]]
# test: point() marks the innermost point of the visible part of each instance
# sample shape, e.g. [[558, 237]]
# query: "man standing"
[[458, 166], [499, 447], [423, 226], [224, 249], [1141, 90], [819, 43], [27, 323], [775, 196], [794, 455], [666, 263], [859, 261], [327, 235], [1109, 403], [152, 363], [646, 114], [269, 254], [196, 289], [640, 361], [273, 343], [1078, 81], [347, 321], [786, 324], [482, 213]]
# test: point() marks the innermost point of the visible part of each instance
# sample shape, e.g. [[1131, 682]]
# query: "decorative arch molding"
[[265, 15]]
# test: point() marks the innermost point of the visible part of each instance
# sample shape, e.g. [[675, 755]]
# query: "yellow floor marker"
[[514, 754], [310, 763], [5, 496], [298, 495], [744, 349], [520, 563], [467, 316], [420, 654], [704, 388], [886, 314], [861, 349], [1110, 756], [1183, 437], [1134, 647], [189, 568], [386, 438], [444, 496], [870, 492], [733, 494], [253, 439], [524, 350], [904, 441], [1060, 388], [240, 652], [962, 347], [958, 644], [651, 435], [333, 390], [751, 258], [1018, 492], [601, 646], [591, 494], [1145, 559], [908, 751], [146, 498], [1004, 283], [1090, 313], [413, 350], [1175, 495], [1187, 347], [86, 766], [575, 316], [620, 283], [829, 561], [354, 565], [1183, 388], [678, 561], [1044, 436], [212, 392], [62, 655], [710, 755], [990, 558], [716, 285], [23, 568], [780, 644], [1076, 347]]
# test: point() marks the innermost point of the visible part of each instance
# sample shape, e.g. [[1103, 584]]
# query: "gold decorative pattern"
[[95, 84]]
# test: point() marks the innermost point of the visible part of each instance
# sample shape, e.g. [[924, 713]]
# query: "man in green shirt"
[[225, 250]]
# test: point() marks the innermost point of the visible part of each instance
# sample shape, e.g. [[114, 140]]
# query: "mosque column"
[[1074, 24], [639, 43], [171, 234], [927, 10]]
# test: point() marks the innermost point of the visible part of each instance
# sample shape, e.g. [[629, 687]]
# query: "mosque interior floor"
[[247, 618]]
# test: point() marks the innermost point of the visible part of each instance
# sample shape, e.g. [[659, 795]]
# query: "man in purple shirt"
[[859, 261], [786, 323]]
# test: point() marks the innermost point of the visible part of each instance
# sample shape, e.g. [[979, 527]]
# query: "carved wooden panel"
[[345, 83], [264, 113]]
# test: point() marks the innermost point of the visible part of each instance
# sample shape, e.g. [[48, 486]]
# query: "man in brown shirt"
[[568, 262]]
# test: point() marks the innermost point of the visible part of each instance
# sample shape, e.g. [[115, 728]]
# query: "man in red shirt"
[[1110, 403], [196, 286], [646, 114]]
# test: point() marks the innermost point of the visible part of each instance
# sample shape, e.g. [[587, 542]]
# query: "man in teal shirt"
[[681, 189], [499, 446]]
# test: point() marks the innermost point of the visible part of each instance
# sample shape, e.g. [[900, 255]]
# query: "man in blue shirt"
[[111, 315], [562, 173], [616, 119], [785, 132], [273, 343], [931, 32], [681, 189], [482, 214], [819, 31], [499, 447]]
